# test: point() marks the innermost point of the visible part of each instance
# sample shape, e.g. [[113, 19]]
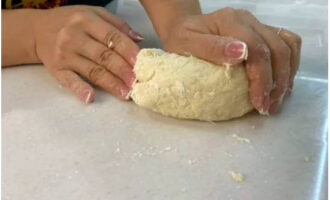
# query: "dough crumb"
[[168, 148], [241, 139], [306, 159], [191, 162], [238, 177], [228, 154]]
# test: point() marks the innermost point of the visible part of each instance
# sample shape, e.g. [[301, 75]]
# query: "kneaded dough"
[[188, 87]]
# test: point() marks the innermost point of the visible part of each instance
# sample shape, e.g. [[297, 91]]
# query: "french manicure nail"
[[87, 96], [236, 50], [264, 104], [135, 35], [125, 92], [273, 107]]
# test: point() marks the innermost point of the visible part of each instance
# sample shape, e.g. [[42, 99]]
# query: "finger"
[[101, 55], [99, 76], [280, 62], [122, 44], [107, 34], [118, 23], [294, 42], [217, 49], [73, 82]]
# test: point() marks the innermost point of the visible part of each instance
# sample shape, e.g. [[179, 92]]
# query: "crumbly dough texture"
[[188, 87]]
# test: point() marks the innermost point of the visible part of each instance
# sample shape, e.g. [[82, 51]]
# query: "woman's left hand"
[[226, 35]]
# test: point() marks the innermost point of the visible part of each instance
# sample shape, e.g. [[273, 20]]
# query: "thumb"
[[214, 48]]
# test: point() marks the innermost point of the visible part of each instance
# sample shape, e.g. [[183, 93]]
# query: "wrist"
[[36, 25]]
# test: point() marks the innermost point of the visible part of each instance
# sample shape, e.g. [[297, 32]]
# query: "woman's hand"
[[87, 41], [227, 36]]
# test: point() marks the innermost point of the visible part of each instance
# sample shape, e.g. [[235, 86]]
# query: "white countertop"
[[55, 147]]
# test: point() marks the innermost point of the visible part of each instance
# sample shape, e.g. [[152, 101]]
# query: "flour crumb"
[[168, 148], [228, 154], [117, 150], [306, 159], [253, 127], [241, 139], [138, 154], [191, 162], [238, 177]]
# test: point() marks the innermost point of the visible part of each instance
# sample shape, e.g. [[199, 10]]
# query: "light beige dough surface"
[[189, 88]]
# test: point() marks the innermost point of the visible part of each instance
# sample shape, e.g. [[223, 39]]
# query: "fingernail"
[[86, 96], [125, 92], [264, 103], [135, 35], [273, 107], [236, 50]]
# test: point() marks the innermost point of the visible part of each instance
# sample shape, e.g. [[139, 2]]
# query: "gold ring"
[[110, 44]]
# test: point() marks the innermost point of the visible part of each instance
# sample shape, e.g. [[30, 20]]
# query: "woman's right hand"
[[87, 41]]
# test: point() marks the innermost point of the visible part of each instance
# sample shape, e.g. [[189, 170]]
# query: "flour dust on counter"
[[189, 88], [237, 177]]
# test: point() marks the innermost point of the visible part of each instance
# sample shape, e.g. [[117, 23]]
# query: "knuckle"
[[79, 16], [297, 40], [247, 14], [105, 57], [228, 11], [244, 12], [64, 38], [263, 51], [60, 56], [96, 73]]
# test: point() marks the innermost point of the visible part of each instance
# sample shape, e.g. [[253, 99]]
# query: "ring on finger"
[[110, 44]]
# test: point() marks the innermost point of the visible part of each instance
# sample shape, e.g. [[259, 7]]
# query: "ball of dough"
[[188, 87]]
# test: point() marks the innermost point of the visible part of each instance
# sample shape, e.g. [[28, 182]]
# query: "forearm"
[[18, 43], [164, 13]]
